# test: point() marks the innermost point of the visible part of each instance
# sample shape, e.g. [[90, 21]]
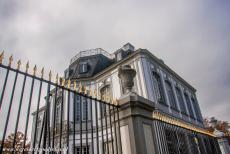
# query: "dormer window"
[[83, 68], [119, 56]]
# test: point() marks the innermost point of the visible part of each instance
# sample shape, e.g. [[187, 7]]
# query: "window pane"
[[180, 100], [158, 88], [170, 93], [189, 105]]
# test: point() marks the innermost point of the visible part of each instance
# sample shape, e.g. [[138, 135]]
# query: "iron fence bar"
[[19, 110], [48, 112], [4, 87], [91, 113], [43, 123], [68, 121], [74, 120], [106, 128], [86, 126], [115, 129], [111, 129], [60, 139], [96, 115], [8, 113], [51, 83], [102, 133], [119, 132], [54, 116], [37, 110], [28, 113], [80, 105]]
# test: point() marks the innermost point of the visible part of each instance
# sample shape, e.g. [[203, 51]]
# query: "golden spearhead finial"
[[85, 91], [18, 64], [42, 72], [1, 57], [80, 87], [74, 85], [63, 82], [90, 92], [27, 67], [95, 93], [34, 70], [69, 82], [50, 75], [57, 78], [10, 60]]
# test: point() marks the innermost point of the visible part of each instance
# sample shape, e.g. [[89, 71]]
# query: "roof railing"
[[90, 53]]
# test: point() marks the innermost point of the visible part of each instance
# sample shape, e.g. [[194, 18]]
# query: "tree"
[[19, 141]]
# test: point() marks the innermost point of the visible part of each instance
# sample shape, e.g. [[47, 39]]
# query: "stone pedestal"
[[136, 124]]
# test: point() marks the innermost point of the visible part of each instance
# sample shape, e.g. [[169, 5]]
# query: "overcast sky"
[[192, 37]]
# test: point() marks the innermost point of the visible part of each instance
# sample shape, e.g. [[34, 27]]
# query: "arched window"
[[170, 94], [158, 88]]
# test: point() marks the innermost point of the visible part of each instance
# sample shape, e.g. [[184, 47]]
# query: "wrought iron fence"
[[37, 115]]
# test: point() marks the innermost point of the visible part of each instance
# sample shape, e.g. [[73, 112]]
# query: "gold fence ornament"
[[85, 91], [42, 72], [63, 82], [95, 93], [1, 57], [57, 78], [10, 60], [69, 83], [50, 75], [27, 66], [75, 86], [80, 88], [18, 64], [90, 92], [34, 70]]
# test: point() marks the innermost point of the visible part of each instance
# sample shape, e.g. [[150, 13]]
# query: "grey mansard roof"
[[99, 64]]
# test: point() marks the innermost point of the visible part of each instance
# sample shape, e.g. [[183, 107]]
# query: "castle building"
[[172, 96]]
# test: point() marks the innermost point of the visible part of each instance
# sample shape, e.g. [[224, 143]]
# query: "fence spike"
[[27, 66], [85, 91], [34, 70], [42, 72], [18, 64], [90, 92], [50, 75], [69, 82], [74, 85], [80, 87], [63, 82], [1, 57], [95, 93], [10, 60], [56, 78]]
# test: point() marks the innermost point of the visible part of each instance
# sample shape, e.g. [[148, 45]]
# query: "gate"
[[38, 115]]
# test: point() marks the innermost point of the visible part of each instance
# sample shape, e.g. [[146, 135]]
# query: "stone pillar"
[[136, 125], [136, 122]]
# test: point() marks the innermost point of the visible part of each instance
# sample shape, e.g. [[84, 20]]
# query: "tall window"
[[158, 88], [105, 92], [81, 108], [196, 108], [189, 105], [58, 111], [180, 100], [170, 93]]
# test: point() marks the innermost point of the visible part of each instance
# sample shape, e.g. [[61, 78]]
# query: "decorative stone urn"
[[126, 74]]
